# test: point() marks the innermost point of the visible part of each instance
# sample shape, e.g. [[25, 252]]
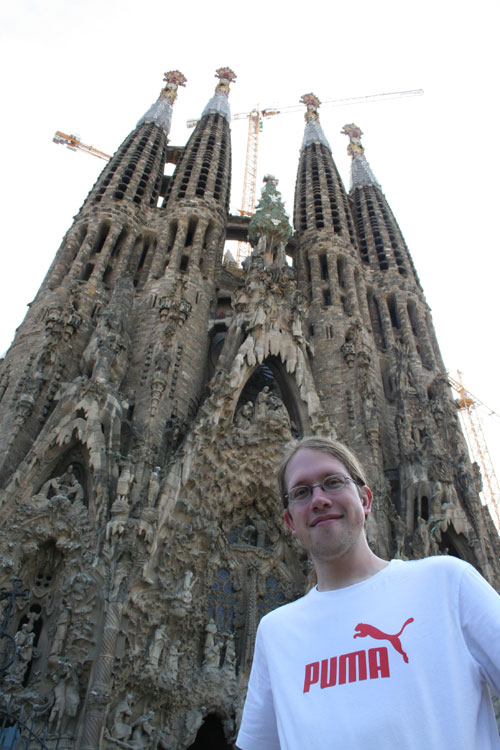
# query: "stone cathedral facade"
[[145, 401]]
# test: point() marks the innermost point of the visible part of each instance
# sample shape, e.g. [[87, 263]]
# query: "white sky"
[[94, 66]]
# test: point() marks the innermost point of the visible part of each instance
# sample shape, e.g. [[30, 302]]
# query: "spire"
[[160, 113], [270, 218], [219, 102], [361, 173], [313, 132], [269, 229]]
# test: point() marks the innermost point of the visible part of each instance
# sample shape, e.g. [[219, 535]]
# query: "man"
[[379, 655]]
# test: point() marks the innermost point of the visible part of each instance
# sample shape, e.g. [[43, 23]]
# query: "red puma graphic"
[[364, 630]]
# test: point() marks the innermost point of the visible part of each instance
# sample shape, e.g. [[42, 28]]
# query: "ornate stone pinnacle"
[[354, 148], [225, 76], [173, 79], [312, 103]]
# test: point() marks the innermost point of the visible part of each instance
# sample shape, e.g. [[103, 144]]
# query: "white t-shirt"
[[399, 661]]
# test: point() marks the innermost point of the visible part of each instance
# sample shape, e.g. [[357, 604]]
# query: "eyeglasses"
[[330, 485]]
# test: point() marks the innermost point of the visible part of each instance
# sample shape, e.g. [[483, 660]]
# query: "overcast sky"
[[94, 66]]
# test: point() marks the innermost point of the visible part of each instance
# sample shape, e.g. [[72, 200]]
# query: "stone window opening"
[[324, 267], [184, 263], [147, 244], [341, 272], [208, 235], [224, 307], [101, 238], [308, 270], [120, 241], [311, 330], [329, 331], [420, 510], [193, 223], [393, 313], [376, 321], [106, 275], [327, 297], [87, 272]]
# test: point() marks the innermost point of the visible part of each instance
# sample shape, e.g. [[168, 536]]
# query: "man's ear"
[[289, 520], [366, 496]]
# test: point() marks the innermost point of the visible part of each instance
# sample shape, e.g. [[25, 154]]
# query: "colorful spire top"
[[354, 148], [270, 218], [361, 173], [173, 79], [225, 76], [219, 102], [160, 113], [313, 132], [312, 103]]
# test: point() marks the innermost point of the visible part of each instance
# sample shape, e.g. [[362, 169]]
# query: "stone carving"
[[66, 695], [212, 647], [106, 355], [24, 638], [122, 728], [65, 486], [157, 646], [137, 494]]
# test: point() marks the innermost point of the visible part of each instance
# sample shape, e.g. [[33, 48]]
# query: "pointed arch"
[[272, 373]]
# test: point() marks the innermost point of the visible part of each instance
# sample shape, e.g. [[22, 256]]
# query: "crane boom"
[[74, 143]]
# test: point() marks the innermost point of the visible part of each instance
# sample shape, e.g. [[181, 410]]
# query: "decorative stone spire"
[[313, 132], [361, 173], [269, 229], [160, 113], [270, 217], [219, 102]]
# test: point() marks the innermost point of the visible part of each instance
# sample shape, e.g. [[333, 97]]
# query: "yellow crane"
[[74, 143], [255, 125], [468, 405]]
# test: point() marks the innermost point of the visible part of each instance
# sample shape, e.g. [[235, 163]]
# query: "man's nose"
[[319, 496]]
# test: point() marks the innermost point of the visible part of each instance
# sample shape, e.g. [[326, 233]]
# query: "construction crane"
[[255, 124], [468, 405], [74, 143]]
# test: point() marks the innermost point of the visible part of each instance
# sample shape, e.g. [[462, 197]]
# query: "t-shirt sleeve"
[[258, 730], [480, 617]]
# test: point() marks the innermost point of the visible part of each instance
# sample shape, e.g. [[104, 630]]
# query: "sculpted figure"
[[66, 696], [243, 418], [24, 639], [121, 725], [157, 646], [66, 485], [212, 647]]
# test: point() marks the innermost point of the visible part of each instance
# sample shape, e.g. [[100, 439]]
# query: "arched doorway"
[[210, 735]]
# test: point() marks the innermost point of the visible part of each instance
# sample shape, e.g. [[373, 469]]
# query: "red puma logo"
[[363, 630]]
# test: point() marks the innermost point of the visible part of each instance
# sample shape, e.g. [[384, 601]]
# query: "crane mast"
[[467, 405], [255, 123]]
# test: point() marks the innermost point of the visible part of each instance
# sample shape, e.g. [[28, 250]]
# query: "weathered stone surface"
[[144, 404]]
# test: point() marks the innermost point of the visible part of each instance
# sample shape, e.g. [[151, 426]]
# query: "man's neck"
[[344, 571]]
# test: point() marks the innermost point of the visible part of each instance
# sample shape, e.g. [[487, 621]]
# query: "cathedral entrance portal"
[[210, 735]]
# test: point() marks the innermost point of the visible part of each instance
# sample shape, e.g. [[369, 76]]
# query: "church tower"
[[145, 402]]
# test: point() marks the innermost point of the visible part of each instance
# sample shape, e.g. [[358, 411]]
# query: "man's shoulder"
[[435, 565]]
